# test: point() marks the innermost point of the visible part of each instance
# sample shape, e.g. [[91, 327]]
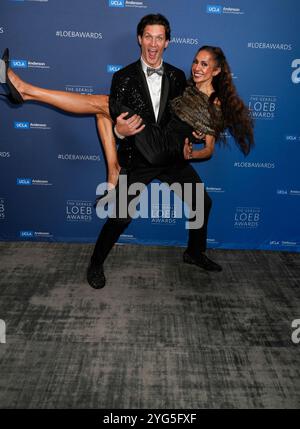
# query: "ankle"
[[18, 84], [26, 91]]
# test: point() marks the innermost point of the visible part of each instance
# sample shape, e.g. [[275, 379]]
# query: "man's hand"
[[187, 149], [129, 127]]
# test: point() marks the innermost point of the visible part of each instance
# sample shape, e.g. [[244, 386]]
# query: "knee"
[[99, 104]]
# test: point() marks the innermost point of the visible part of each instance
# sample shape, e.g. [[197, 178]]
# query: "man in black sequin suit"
[[146, 87]]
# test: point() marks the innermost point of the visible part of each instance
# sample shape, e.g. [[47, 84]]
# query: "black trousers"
[[181, 173]]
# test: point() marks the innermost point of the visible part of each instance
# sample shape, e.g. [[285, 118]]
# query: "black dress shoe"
[[13, 94], [202, 261], [95, 276]]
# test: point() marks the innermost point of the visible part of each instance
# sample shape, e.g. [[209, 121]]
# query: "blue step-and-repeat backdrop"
[[51, 162]]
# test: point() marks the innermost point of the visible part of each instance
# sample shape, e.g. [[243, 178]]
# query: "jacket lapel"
[[145, 90], [165, 86]]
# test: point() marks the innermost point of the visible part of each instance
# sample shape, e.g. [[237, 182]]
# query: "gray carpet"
[[161, 334]]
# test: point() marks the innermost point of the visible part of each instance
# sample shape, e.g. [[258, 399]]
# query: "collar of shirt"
[[144, 66]]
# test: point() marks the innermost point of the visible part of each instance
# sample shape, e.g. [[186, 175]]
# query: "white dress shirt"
[[154, 84]]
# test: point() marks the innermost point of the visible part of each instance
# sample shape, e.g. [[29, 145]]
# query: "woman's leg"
[[67, 101], [80, 104], [104, 125]]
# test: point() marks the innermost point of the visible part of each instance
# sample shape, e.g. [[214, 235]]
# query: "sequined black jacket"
[[129, 88]]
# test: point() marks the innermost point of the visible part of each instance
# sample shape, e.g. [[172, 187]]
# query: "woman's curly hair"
[[236, 115]]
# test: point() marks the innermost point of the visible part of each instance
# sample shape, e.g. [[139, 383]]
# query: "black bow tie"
[[151, 71]]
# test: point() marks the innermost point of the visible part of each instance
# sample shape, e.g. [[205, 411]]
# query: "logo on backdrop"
[[162, 214], [218, 10], [127, 237], [112, 68], [212, 241], [292, 138], [80, 89], [127, 3], [31, 126], [21, 125], [275, 243], [74, 34], [184, 40], [24, 182], [78, 157], [24, 64], [18, 64], [215, 190], [79, 211], [289, 192], [247, 217], [243, 164], [289, 243], [296, 73], [35, 234], [275, 46], [32, 182], [284, 243], [40, 1], [263, 106], [4, 154], [116, 3], [2, 209], [1, 30]]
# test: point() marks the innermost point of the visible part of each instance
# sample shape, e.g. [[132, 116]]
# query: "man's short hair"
[[154, 19]]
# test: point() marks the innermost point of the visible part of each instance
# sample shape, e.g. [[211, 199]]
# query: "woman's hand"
[[206, 152], [187, 149]]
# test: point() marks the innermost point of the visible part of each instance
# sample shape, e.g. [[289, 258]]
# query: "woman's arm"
[[208, 149], [104, 126], [203, 153]]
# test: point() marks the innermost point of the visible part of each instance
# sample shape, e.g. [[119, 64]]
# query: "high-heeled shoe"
[[13, 94]]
